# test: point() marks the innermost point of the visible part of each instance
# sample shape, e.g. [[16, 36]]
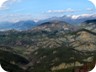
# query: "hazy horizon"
[[15, 10]]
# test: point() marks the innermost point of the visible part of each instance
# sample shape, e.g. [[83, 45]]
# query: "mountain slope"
[[52, 46], [53, 25], [89, 24], [85, 40]]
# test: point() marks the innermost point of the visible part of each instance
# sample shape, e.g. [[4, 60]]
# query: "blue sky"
[[40, 9]]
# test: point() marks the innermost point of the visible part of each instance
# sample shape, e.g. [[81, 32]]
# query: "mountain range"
[[48, 46], [21, 25], [29, 24], [71, 19]]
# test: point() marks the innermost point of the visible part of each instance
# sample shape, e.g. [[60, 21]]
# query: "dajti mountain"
[[51, 46]]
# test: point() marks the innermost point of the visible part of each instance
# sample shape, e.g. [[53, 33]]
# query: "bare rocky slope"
[[49, 47]]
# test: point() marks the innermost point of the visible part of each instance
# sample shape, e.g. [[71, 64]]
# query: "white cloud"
[[61, 11], [4, 4], [81, 16], [93, 2], [69, 10], [90, 9], [16, 17], [20, 17]]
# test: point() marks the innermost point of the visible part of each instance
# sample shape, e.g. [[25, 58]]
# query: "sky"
[[14, 10]]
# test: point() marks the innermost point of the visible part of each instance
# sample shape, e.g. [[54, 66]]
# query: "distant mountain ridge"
[[71, 19], [54, 25], [21, 25], [75, 20]]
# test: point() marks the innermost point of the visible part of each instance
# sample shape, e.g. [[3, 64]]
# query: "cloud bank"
[[69, 10], [61, 11]]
